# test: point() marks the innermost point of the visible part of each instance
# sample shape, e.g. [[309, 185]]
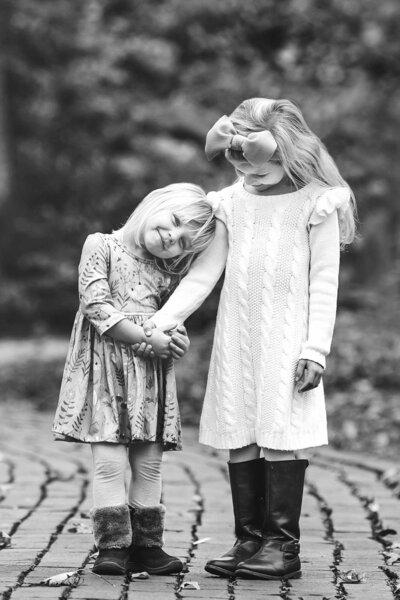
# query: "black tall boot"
[[112, 535], [279, 553], [247, 488]]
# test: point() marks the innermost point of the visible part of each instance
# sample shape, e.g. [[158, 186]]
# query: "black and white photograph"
[[199, 300]]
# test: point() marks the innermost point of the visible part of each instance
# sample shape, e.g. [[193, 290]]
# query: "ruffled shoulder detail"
[[221, 203], [337, 198]]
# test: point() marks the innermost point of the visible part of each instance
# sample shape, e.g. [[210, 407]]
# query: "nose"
[[171, 237]]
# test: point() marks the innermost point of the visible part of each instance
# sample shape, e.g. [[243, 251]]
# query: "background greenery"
[[103, 100]]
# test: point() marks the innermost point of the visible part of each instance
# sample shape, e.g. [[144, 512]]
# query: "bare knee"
[[251, 452], [276, 455]]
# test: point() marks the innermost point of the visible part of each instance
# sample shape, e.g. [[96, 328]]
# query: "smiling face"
[[165, 236]]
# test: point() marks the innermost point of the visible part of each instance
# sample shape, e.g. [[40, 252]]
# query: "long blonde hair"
[[301, 153], [189, 203]]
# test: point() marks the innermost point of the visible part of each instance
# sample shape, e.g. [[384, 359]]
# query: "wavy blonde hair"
[[301, 153], [189, 203]]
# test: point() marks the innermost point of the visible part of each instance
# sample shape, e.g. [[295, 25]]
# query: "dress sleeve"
[[324, 272], [197, 284], [218, 202], [94, 292], [333, 199]]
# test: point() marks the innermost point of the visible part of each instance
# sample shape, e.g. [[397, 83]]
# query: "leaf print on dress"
[[108, 394]]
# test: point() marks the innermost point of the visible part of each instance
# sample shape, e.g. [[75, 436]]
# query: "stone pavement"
[[350, 517]]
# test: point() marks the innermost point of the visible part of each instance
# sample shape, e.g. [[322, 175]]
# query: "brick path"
[[45, 493]]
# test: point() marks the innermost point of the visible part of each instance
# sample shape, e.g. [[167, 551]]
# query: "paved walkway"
[[350, 508]]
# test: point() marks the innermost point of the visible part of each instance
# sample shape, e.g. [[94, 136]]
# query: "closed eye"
[[176, 220]]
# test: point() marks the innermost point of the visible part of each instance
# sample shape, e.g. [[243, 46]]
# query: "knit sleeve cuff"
[[333, 199], [314, 355]]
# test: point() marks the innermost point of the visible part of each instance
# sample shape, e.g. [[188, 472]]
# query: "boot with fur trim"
[[112, 535], [146, 553]]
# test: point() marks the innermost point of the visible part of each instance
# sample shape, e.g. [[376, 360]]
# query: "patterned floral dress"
[[107, 393]]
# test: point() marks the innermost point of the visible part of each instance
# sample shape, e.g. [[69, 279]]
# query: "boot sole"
[[220, 571], [165, 570], [247, 574], [109, 568]]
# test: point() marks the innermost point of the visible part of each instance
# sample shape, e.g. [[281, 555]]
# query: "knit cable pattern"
[[222, 346], [288, 365], [268, 283], [244, 320]]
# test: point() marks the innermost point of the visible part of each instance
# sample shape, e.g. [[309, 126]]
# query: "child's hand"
[[308, 375], [160, 343], [143, 350], [179, 343]]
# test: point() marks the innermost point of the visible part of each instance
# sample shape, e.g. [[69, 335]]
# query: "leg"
[[246, 474], [275, 455], [110, 515], [279, 553], [109, 464], [145, 486], [147, 514], [244, 454]]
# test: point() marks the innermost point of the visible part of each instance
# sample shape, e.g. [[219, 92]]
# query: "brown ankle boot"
[[146, 553], [113, 536]]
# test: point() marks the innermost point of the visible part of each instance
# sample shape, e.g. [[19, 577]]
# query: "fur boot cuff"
[[112, 527], [148, 526]]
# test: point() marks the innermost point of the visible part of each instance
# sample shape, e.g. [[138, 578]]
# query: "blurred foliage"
[[108, 99]]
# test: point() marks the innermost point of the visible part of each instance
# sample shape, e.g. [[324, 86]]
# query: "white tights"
[[109, 469]]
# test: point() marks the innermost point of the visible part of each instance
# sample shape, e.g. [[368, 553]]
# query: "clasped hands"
[[174, 342]]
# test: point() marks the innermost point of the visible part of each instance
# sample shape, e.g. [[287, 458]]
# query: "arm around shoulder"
[[197, 284]]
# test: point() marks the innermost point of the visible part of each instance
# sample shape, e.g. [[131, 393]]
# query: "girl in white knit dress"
[[280, 229]]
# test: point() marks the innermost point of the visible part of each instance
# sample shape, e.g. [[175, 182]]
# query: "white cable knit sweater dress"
[[278, 304]]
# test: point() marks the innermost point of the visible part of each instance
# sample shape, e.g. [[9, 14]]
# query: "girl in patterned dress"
[[123, 405], [279, 234]]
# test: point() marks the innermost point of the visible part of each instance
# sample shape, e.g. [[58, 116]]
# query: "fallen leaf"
[[78, 527], [197, 542], [5, 539], [391, 557], [141, 575], [70, 578], [373, 506], [189, 585], [84, 514], [351, 576]]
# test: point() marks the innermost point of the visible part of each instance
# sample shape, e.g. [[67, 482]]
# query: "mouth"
[[161, 240]]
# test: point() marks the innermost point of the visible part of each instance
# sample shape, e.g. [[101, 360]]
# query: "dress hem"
[[239, 439], [62, 437]]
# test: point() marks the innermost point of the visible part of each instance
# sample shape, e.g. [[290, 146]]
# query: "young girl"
[[279, 235], [125, 406]]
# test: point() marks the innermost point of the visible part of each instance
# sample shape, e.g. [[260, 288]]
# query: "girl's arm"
[[95, 296], [324, 272], [197, 284]]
